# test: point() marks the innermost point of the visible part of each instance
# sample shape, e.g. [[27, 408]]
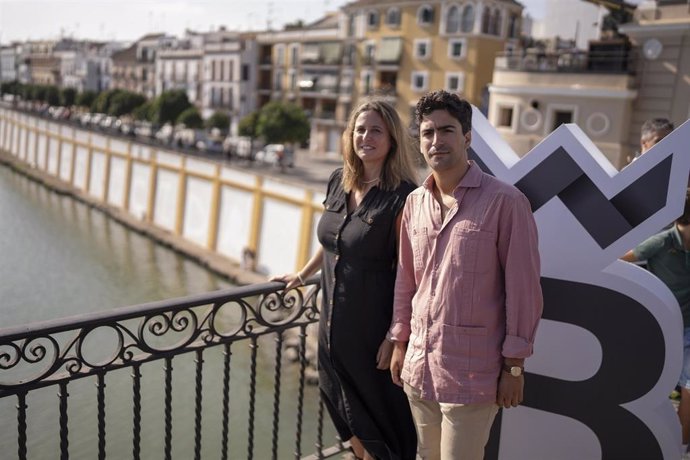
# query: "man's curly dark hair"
[[459, 108]]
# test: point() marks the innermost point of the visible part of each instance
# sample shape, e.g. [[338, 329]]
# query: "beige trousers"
[[450, 431]]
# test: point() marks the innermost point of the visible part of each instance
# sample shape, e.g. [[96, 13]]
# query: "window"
[[294, 54], [561, 117], [456, 48], [278, 81], [373, 19], [293, 79], [245, 72], [513, 26], [486, 19], [366, 82], [420, 81], [369, 53], [393, 17], [455, 82], [505, 117], [425, 15], [351, 25], [453, 20], [495, 23], [422, 48], [280, 55], [467, 24]]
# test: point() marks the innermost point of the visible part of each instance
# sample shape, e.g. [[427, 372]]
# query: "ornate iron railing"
[[211, 327]]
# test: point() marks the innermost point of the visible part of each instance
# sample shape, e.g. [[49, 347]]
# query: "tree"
[[280, 122], [104, 99], [52, 95], [68, 96], [191, 118], [219, 120], [143, 112], [168, 106], [86, 98], [248, 127], [125, 102]]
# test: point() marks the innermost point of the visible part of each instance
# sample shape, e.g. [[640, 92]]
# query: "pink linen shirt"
[[467, 291]]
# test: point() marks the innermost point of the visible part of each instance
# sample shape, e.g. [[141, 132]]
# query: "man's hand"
[[509, 390], [397, 360]]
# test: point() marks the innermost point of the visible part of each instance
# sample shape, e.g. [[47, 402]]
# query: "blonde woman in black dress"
[[358, 233]]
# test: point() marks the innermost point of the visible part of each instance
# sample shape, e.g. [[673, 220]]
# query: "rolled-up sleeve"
[[405, 285], [519, 255]]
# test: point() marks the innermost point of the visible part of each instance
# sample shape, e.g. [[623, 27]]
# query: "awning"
[[389, 51]]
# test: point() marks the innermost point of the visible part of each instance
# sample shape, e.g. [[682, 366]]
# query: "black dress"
[[358, 277]]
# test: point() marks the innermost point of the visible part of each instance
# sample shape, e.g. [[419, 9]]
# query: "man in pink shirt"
[[467, 294]]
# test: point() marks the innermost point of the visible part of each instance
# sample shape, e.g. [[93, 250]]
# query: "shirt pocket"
[[474, 250], [464, 348]]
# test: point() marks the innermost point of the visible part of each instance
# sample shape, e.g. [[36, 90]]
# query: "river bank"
[[217, 263]]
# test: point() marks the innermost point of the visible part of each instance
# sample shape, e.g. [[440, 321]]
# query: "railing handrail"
[[124, 313]]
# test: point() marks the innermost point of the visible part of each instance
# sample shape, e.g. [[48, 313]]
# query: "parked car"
[[214, 146], [277, 155]]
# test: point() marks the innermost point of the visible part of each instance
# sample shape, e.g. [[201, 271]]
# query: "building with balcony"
[[660, 34], [180, 69], [310, 66], [608, 91], [228, 70], [9, 62], [134, 68], [405, 49]]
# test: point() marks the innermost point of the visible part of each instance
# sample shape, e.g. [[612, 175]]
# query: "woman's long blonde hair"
[[399, 163]]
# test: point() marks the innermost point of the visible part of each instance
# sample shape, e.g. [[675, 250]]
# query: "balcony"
[[616, 61], [220, 371]]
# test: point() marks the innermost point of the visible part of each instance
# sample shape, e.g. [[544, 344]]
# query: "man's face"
[[442, 142], [648, 141]]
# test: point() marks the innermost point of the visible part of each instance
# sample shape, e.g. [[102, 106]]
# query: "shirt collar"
[[471, 179]]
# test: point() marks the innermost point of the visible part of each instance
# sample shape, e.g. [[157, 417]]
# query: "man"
[[668, 257], [467, 293], [653, 130]]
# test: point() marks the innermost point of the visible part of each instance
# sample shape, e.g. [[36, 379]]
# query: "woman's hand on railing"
[[291, 280]]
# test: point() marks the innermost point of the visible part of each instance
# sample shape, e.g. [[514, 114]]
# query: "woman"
[[358, 233]]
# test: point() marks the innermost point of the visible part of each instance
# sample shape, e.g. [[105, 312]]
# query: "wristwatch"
[[515, 371]]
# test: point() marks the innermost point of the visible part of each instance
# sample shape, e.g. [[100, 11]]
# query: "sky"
[[129, 19]]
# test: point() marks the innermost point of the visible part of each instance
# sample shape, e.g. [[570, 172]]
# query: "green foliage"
[[191, 118], [104, 99], [168, 106], [219, 120], [281, 122], [52, 95], [68, 96], [125, 102], [86, 98], [143, 112], [11, 87], [247, 125], [38, 92]]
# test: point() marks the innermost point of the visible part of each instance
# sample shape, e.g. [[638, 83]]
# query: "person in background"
[[467, 296], [668, 257], [653, 131], [358, 232]]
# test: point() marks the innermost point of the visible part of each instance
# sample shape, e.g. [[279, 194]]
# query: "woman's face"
[[371, 138]]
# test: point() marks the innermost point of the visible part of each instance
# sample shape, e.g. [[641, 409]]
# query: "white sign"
[[609, 348]]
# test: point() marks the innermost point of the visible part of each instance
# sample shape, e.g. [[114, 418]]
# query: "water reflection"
[[58, 257]]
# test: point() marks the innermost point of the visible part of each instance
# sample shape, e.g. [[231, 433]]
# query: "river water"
[[59, 258]]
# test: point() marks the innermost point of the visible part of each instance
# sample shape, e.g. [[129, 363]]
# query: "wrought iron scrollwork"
[[42, 355]]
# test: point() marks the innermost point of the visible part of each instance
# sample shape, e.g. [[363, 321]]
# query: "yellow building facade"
[[406, 48]]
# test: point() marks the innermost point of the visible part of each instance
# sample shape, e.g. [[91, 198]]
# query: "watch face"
[[516, 371]]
